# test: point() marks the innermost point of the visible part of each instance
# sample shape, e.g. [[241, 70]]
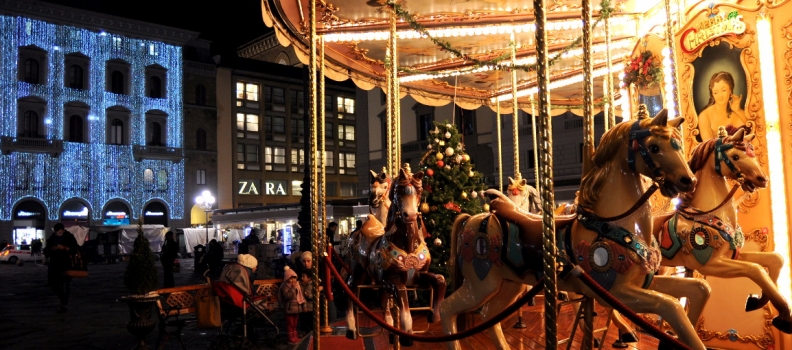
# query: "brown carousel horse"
[[396, 256], [610, 238], [379, 204], [703, 235]]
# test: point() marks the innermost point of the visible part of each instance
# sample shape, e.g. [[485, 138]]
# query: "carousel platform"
[[530, 337]]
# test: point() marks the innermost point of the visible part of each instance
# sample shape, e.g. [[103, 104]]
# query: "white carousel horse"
[[622, 261], [398, 259], [525, 196], [703, 235]]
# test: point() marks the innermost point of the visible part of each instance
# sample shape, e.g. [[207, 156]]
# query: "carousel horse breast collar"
[[403, 261]]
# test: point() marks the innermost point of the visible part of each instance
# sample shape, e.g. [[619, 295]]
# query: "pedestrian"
[[292, 300], [242, 273], [167, 257], [214, 256], [60, 246], [306, 284], [332, 235]]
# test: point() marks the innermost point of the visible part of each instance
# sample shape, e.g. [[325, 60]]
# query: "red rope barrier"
[[327, 282], [442, 338], [618, 305]]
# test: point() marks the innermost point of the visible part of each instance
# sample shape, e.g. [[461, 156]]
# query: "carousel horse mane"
[[592, 182], [407, 184]]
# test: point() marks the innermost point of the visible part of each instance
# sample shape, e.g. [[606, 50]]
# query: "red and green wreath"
[[644, 71]]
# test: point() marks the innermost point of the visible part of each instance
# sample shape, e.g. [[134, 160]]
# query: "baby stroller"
[[244, 316]]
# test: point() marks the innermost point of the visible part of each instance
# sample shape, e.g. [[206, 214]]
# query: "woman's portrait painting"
[[719, 89]]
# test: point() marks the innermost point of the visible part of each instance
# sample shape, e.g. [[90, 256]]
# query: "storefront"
[[29, 222], [155, 213], [75, 212], [116, 213]]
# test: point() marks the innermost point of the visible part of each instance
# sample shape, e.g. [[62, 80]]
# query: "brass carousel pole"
[[672, 56], [546, 179], [515, 108], [535, 144], [324, 243], [312, 72], [393, 118], [610, 121], [588, 151], [500, 149], [388, 105]]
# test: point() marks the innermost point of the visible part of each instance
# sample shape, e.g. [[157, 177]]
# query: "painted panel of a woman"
[[723, 108]]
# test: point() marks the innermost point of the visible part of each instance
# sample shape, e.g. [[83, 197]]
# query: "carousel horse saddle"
[[522, 236], [372, 229]]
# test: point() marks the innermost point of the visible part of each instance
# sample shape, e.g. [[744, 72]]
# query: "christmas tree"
[[140, 276], [451, 186]]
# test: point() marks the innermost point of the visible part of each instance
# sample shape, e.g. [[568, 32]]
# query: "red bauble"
[[430, 172], [440, 163]]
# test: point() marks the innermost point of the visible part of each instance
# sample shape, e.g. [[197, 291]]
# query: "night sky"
[[226, 26]]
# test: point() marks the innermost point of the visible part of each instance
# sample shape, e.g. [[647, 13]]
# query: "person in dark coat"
[[169, 252], [60, 246], [214, 256]]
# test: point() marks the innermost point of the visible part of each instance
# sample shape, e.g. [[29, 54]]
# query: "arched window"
[[30, 124], [155, 87], [75, 128], [76, 77], [156, 134], [31, 71], [116, 132], [117, 82], [200, 95], [148, 176], [162, 180], [200, 139]]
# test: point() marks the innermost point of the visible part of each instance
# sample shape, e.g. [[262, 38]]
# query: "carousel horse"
[[611, 239], [703, 235], [396, 256], [379, 203], [525, 196]]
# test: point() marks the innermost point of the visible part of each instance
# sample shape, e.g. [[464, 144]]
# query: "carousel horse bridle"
[[720, 156], [409, 189]]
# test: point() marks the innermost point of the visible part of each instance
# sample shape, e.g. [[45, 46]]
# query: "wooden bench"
[[176, 306]]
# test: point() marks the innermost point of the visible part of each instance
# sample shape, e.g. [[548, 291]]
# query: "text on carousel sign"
[[711, 28]]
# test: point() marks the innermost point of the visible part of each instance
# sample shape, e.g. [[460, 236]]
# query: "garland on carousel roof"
[[605, 12]]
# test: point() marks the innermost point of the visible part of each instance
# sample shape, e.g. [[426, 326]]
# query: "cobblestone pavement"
[[95, 320]]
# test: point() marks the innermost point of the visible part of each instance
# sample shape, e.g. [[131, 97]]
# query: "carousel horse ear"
[[511, 181], [493, 194], [674, 123], [373, 175], [661, 119], [523, 182], [749, 138], [739, 135]]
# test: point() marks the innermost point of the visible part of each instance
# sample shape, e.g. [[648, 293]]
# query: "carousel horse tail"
[[454, 273]]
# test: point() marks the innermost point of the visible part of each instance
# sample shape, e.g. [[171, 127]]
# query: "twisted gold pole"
[[396, 100], [546, 178], [588, 90], [535, 145], [672, 56], [323, 181], [500, 149], [388, 106], [312, 73], [610, 121], [515, 108], [393, 92]]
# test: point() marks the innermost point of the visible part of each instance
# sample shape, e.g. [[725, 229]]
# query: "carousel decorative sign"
[[711, 28]]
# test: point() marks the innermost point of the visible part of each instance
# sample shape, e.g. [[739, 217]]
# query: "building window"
[[162, 179], [424, 125], [348, 189], [329, 135], [329, 103], [30, 124], [200, 95], [117, 82], [297, 101], [75, 128], [275, 128], [531, 159], [296, 188], [346, 164], [331, 189], [200, 177], [275, 158], [329, 162], [346, 105], [200, 139], [155, 87], [116, 43], [297, 159], [116, 132], [297, 128], [346, 132], [247, 95], [31, 71], [148, 177], [156, 134], [76, 77], [275, 99], [248, 126], [580, 154], [467, 121], [248, 156]]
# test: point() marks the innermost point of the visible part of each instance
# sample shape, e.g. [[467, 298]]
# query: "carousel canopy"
[[461, 50]]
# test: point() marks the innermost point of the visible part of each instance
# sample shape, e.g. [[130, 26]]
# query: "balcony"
[[157, 152], [10, 144]]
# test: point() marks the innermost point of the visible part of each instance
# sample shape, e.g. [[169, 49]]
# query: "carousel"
[[691, 179]]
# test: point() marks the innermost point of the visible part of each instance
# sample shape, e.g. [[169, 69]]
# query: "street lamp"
[[205, 201]]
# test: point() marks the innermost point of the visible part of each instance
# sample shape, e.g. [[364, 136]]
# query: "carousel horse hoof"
[[783, 325], [618, 344], [404, 341], [350, 334], [755, 302], [532, 302], [628, 337], [563, 296]]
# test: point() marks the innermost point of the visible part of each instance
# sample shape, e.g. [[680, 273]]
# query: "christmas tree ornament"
[[486, 207], [439, 155], [424, 208], [447, 167], [448, 126], [473, 194], [441, 143], [471, 174], [440, 163], [466, 158], [449, 151], [436, 140], [428, 146], [447, 135], [435, 131], [458, 158], [430, 172], [438, 242], [464, 195]]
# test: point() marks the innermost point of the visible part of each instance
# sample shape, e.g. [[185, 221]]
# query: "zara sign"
[[270, 188]]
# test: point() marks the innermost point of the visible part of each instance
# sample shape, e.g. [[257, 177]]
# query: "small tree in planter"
[[141, 279]]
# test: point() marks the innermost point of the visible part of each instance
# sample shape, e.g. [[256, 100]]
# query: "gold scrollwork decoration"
[[748, 201], [759, 236], [360, 54], [763, 341]]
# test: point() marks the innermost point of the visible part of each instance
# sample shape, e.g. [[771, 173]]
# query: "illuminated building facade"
[[91, 127]]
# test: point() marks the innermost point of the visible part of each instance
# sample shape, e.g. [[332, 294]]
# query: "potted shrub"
[[141, 280]]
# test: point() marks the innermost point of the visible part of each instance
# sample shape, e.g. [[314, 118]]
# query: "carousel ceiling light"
[[555, 84], [775, 149]]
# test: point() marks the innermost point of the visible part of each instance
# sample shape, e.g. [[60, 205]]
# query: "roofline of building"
[[258, 45], [64, 15]]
